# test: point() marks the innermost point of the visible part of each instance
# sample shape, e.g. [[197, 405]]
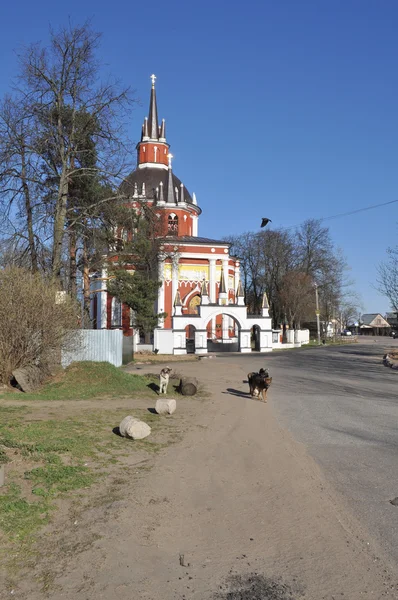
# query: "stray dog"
[[259, 383], [164, 380]]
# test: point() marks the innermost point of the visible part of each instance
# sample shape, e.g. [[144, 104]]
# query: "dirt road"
[[237, 495]]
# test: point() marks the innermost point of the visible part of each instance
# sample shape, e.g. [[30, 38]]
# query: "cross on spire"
[[153, 77]]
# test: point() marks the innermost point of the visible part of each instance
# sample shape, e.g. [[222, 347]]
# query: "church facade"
[[201, 291]]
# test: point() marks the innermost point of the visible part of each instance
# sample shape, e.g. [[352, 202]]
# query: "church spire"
[[153, 113], [170, 187], [162, 131], [153, 147]]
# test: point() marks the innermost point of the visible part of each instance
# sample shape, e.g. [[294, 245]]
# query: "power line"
[[346, 214]]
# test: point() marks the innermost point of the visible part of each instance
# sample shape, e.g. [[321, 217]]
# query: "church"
[[201, 292]]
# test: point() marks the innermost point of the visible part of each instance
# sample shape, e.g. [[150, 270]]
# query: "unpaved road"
[[239, 494]]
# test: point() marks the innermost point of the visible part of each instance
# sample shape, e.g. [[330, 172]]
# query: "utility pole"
[[318, 325]]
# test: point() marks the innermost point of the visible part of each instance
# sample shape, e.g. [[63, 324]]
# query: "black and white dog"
[[164, 380], [259, 383]]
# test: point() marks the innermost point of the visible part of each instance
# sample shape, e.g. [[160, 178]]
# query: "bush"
[[35, 321]]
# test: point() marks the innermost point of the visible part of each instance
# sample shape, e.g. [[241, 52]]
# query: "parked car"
[[346, 332]]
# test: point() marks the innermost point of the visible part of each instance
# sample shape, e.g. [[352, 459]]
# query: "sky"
[[282, 109]]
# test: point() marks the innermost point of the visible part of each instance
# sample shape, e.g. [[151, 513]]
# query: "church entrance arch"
[[255, 338], [223, 333], [190, 331]]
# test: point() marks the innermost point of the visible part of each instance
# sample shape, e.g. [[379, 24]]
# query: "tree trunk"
[[59, 226], [72, 264], [29, 214], [86, 288], [188, 386]]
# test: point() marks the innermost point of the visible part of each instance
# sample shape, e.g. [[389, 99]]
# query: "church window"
[[172, 224], [131, 322], [116, 313], [155, 150], [193, 305]]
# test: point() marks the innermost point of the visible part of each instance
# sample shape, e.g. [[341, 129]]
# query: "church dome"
[[146, 182]]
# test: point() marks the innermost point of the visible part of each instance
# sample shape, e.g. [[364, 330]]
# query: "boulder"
[[165, 406], [29, 378], [133, 428]]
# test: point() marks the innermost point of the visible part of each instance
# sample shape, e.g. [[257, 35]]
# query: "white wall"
[[163, 341]]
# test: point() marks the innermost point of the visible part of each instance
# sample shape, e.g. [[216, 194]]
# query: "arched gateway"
[[239, 331]]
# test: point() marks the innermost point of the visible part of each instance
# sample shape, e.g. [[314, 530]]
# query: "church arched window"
[[172, 224]]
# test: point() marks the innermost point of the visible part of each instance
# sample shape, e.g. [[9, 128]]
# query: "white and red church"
[[201, 292]]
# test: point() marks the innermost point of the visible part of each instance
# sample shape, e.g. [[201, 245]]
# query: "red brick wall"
[[146, 153]]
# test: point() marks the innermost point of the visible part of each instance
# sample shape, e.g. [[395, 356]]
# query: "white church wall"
[[163, 341]]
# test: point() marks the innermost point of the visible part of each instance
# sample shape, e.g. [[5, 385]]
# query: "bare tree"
[[22, 215], [388, 277], [297, 297], [72, 114], [286, 265]]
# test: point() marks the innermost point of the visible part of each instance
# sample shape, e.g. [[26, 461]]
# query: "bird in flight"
[[265, 222]]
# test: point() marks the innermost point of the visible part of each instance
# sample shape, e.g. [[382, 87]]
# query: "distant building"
[[392, 320], [374, 324]]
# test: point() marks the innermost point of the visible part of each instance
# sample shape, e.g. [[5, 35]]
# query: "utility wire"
[[346, 214]]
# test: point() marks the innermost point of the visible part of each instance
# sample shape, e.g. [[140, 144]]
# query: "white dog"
[[164, 380]]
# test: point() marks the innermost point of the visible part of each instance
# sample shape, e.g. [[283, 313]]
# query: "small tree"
[[34, 321], [388, 278], [139, 292]]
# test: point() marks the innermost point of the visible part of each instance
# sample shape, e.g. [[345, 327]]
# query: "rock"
[[133, 428], [29, 378], [188, 386], [165, 406]]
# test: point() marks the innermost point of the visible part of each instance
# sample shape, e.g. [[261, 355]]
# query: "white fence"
[[293, 338], [95, 345]]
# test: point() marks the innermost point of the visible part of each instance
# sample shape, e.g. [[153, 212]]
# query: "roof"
[[152, 177], [190, 239], [374, 320]]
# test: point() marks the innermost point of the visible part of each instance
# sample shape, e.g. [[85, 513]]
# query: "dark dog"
[[164, 380], [259, 383]]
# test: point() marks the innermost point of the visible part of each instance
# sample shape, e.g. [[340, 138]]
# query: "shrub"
[[35, 321]]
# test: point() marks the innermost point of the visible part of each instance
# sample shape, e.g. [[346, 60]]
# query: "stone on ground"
[[188, 386], [165, 406], [134, 428]]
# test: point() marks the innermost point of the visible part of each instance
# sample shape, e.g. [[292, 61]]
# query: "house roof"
[[374, 320]]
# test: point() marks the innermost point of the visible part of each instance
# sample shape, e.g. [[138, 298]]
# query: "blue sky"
[[282, 109]]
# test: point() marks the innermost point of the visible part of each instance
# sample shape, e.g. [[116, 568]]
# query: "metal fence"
[[95, 345]]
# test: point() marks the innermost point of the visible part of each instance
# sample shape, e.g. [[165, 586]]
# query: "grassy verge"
[[164, 358], [46, 459], [49, 455], [85, 380]]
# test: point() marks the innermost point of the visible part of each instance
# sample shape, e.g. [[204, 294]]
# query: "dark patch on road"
[[256, 587]]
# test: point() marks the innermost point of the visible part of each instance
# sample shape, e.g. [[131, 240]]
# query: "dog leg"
[[264, 395]]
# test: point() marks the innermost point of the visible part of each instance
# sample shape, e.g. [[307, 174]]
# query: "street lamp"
[[317, 312]]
